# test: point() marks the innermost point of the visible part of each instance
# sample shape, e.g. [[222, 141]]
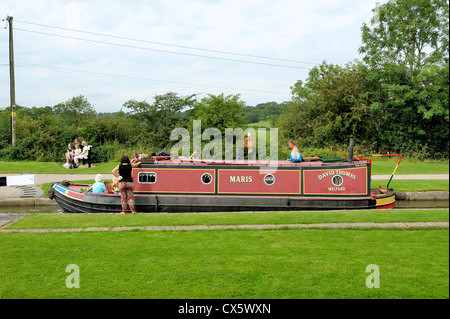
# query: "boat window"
[[147, 178], [269, 179], [206, 178]]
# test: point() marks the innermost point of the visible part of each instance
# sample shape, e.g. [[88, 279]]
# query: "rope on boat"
[[395, 169]]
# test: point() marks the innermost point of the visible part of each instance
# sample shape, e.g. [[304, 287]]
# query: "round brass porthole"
[[269, 179], [337, 180], [206, 178]]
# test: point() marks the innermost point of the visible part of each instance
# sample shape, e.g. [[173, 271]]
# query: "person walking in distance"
[[126, 186]]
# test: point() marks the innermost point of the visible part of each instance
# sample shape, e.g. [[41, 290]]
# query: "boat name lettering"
[[338, 172], [241, 179], [338, 189]]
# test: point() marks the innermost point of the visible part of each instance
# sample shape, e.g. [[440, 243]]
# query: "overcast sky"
[[136, 49]]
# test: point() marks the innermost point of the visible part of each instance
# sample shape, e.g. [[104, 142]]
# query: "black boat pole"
[[350, 151]]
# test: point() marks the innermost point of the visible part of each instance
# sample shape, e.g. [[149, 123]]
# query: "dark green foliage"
[[263, 111], [156, 121], [220, 112], [394, 100]]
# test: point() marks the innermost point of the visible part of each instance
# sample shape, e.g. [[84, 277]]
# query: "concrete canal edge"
[[30, 202], [399, 225], [422, 196]]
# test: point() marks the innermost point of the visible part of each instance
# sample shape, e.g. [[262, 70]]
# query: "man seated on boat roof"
[[99, 187], [295, 157]]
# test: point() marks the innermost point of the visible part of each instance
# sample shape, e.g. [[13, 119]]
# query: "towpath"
[[7, 220]]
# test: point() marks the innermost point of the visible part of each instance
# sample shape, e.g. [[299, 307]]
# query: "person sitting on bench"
[[83, 154]]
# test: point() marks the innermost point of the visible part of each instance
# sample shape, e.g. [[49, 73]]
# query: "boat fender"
[[50, 194]]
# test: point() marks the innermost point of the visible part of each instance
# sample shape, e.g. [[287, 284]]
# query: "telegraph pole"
[[12, 81]]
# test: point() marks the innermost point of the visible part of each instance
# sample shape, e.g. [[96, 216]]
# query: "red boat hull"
[[176, 186]]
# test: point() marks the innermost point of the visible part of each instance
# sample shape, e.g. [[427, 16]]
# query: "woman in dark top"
[[126, 186]]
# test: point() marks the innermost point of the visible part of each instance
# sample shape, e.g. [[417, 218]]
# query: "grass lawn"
[[297, 263], [53, 168], [38, 221], [380, 167], [413, 185], [262, 124], [385, 166]]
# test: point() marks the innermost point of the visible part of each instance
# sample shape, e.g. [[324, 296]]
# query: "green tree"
[[331, 106], [155, 121], [413, 33], [252, 114], [220, 111], [406, 48], [5, 127], [75, 112]]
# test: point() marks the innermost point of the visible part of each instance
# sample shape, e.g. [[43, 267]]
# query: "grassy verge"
[[413, 185], [408, 166], [251, 264], [37, 221], [380, 167], [53, 168]]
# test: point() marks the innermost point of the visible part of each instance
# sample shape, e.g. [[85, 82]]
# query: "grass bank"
[[380, 167], [295, 263], [53, 168], [37, 221], [413, 185]]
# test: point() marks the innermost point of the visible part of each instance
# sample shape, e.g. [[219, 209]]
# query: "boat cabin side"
[[286, 179]]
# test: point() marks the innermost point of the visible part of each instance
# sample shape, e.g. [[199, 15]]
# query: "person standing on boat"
[[126, 186], [295, 157]]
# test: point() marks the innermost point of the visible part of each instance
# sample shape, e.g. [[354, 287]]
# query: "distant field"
[[263, 124]]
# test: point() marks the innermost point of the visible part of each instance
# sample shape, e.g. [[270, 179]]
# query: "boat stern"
[[384, 198]]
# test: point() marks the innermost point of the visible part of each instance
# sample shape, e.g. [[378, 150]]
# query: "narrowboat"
[[190, 185]]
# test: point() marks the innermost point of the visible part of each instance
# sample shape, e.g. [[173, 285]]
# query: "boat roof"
[[285, 163]]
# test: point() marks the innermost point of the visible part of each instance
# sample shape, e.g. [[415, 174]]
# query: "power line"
[[164, 51], [169, 44], [146, 79]]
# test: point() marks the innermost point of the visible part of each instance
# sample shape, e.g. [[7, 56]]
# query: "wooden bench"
[[88, 157]]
